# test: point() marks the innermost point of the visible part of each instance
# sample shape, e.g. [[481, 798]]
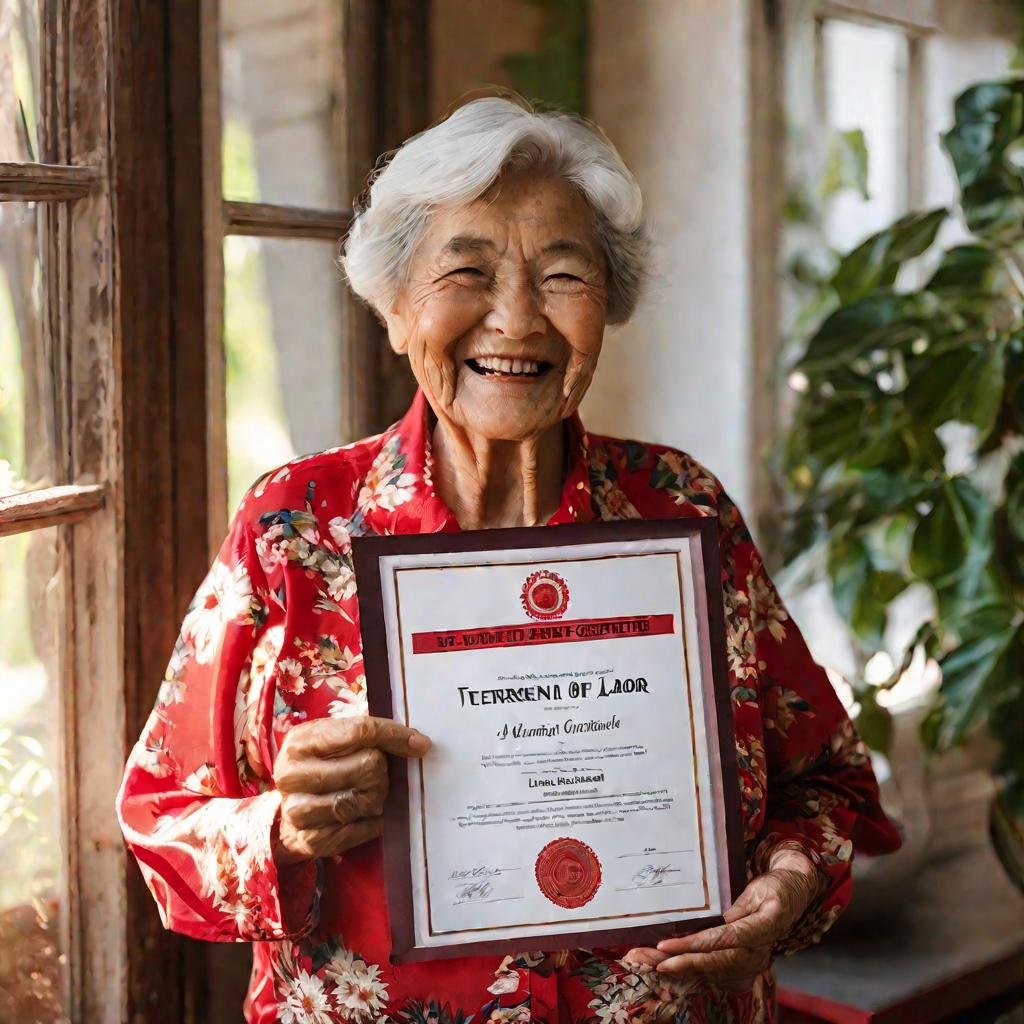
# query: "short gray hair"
[[457, 160]]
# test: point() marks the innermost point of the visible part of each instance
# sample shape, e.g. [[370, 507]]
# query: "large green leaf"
[[831, 431], [861, 591], [876, 261], [976, 670], [879, 321], [953, 542], [964, 384], [886, 490], [1014, 484], [969, 270], [988, 118], [984, 145], [994, 205], [848, 568], [874, 722]]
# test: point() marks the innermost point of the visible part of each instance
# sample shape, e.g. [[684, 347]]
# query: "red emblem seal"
[[568, 873], [545, 595]]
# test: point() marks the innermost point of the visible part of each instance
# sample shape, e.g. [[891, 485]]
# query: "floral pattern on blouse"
[[272, 638]]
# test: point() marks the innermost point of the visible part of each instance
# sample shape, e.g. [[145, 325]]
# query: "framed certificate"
[[582, 787]]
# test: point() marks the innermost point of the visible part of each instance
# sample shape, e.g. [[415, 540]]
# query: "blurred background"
[[835, 327]]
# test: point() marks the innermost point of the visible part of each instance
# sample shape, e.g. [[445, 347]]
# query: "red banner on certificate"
[[574, 631]]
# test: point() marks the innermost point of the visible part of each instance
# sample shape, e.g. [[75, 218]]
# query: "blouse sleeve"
[[821, 795], [197, 805]]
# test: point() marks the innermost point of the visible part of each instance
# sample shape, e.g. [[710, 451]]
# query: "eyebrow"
[[463, 245], [567, 247]]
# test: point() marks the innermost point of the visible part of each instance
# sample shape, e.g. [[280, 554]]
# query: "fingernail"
[[419, 743]]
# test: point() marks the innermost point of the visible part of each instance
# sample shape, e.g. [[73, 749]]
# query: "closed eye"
[[472, 271]]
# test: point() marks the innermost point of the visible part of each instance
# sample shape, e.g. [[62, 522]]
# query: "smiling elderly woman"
[[496, 246]]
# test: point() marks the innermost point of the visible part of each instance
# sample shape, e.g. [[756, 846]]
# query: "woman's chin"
[[509, 410]]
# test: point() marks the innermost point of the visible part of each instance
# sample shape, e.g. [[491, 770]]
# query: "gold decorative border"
[[677, 555]]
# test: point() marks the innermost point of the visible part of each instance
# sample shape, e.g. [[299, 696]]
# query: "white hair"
[[459, 159]]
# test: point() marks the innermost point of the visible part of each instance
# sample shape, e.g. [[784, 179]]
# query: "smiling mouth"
[[522, 369]]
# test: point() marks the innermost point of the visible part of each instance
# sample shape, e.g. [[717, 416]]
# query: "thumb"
[[746, 904]]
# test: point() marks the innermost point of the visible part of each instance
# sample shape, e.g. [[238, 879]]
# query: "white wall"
[[669, 83]]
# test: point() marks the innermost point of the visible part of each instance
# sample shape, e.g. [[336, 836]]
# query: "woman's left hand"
[[735, 953]]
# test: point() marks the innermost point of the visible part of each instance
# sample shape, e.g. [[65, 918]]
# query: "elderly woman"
[[496, 247]]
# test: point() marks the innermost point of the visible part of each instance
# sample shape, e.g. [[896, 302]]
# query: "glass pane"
[[32, 956], [19, 80], [281, 77], [282, 335], [27, 434], [866, 88]]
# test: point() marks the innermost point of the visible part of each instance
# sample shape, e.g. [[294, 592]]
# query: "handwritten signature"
[[651, 875], [479, 872], [470, 891]]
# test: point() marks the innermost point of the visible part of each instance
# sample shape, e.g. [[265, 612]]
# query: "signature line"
[[656, 885]]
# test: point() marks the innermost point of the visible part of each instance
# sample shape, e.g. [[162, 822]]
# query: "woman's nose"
[[516, 313]]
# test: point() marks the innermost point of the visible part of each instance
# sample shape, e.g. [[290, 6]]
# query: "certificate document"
[[581, 788]]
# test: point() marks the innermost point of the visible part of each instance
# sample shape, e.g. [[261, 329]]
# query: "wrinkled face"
[[503, 313]]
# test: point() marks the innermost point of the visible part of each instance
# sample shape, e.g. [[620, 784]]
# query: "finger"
[[753, 930], [330, 840], [333, 737], [707, 965], [747, 903], [364, 770], [354, 834], [707, 941], [307, 810], [645, 955]]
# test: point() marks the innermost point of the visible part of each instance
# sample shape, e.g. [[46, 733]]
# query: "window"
[[867, 89], [171, 323], [58, 538], [283, 181]]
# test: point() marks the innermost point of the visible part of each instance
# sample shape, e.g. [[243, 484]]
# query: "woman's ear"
[[398, 334]]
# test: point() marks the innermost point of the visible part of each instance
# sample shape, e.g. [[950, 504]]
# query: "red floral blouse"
[[272, 638]]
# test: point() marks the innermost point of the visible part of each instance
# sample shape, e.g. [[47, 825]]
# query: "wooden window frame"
[[785, 48], [133, 303], [76, 241]]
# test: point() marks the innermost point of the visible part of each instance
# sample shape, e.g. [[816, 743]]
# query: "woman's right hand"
[[334, 777]]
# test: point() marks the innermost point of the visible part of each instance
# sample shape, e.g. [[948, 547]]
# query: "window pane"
[[282, 333], [281, 72], [27, 401], [32, 956], [866, 88], [19, 80]]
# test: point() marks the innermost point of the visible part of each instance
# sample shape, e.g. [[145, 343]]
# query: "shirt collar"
[[404, 468]]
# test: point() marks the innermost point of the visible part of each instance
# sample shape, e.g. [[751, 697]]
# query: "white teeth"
[[507, 366]]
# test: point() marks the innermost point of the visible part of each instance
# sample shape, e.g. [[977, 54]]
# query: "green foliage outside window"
[[893, 380]]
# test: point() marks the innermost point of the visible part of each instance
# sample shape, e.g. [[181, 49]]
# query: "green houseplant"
[[905, 458]]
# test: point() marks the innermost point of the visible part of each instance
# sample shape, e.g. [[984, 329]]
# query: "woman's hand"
[[732, 955], [334, 777]]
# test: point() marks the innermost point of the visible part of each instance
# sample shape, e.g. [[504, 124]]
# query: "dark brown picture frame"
[[367, 551]]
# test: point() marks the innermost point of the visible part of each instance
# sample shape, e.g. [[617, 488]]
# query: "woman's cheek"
[[431, 356], [580, 319]]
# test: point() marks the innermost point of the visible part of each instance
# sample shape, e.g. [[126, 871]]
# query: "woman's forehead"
[[549, 215]]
